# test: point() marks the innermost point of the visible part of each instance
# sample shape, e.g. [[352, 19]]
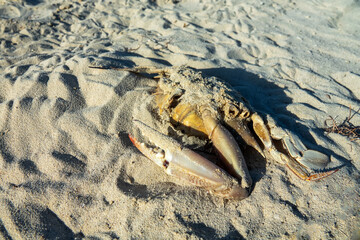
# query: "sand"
[[67, 167]]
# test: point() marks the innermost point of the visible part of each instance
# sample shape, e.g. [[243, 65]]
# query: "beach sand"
[[67, 167]]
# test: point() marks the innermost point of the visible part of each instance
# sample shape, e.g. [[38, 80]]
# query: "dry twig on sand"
[[346, 128]]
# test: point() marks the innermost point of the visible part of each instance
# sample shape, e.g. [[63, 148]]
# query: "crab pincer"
[[187, 165]]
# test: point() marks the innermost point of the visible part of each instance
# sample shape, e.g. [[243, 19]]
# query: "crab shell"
[[202, 107]]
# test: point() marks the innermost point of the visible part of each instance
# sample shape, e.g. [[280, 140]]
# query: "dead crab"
[[203, 107]]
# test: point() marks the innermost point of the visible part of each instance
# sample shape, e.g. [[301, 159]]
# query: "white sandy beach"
[[67, 167]]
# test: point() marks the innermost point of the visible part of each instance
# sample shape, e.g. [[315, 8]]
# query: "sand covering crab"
[[207, 108]]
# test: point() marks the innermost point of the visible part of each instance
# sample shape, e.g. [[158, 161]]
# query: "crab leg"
[[301, 161], [227, 148], [302, 172], [185, 164]]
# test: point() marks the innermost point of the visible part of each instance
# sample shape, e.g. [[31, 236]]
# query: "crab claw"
[[227, 148], [187, 165], [307, 164]]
